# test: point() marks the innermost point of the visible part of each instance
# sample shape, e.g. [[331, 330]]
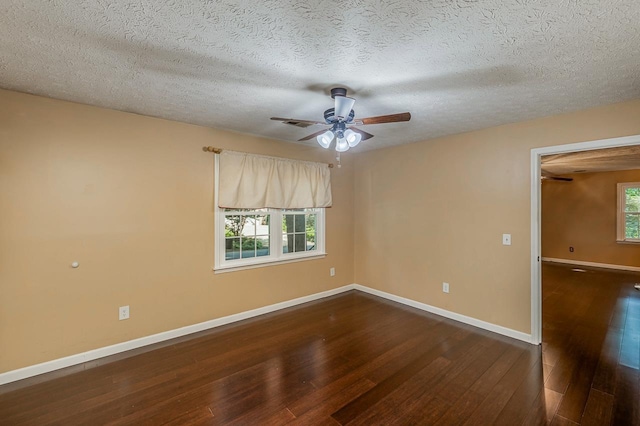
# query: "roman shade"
[[249, 181]]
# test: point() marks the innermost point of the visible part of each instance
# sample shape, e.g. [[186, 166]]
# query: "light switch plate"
[[506, 239]]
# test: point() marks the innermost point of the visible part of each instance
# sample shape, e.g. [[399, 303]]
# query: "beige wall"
[[435, 211], [131, 199], [583, 214]]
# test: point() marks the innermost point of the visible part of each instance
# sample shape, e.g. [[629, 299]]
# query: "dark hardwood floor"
[[591, 345], [360, 360]]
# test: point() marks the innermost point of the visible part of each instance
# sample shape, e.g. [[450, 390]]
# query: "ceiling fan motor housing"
[[330, 116], [338, 91], [338, 129]]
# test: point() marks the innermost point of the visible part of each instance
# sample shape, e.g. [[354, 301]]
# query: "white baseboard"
[[448, 314], [46, 367], [56, 364], [592, 264]]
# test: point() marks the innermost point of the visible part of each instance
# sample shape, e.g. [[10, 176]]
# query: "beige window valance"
[[250, 181]]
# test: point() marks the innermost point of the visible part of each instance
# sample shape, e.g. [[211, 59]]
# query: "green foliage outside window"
[[311, 228], [632, 199], [632, 218], [248, 243]]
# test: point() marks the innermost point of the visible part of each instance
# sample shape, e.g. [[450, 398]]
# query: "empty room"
[[281, 212]]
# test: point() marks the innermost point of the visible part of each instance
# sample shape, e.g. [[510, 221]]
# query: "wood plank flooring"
[[360, 360], [591, 345]]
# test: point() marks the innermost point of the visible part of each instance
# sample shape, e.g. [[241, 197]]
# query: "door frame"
[[536, 213]]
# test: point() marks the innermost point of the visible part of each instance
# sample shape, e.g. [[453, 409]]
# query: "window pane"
[[262, 225], [287, 223], [248, 247], [632, 199], [232, 248], [311, 240], [262, 245], [249, 228], [311, 224], [299, 219], [287, 243], [311, 221], [233, 226], [287, 231], [632, 226], [300, 242]]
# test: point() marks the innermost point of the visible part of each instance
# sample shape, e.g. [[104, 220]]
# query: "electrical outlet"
[[123, 312], [445, 287], [332, 272]]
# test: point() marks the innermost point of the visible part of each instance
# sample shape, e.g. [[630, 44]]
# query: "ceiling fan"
[[550, 176], [341, 119]]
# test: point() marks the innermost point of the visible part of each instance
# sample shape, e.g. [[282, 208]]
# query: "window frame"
[[620, 217], [276, 256]]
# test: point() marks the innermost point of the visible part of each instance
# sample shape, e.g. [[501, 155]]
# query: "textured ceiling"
[[456, 65], [598, 160]]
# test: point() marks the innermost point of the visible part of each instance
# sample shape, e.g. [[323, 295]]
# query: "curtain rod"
[[219, 150]]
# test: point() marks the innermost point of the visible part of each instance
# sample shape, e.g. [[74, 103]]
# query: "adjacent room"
[[275, 212], [590, 304]]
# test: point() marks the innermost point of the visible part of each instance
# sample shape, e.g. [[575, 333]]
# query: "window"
[[629, 212], [253, 237], [249, 236]]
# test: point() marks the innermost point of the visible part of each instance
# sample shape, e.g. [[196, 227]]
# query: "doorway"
[[536, 216], [590, 352]]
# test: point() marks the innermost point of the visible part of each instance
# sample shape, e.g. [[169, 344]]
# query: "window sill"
[[225, 269], [627, 242]]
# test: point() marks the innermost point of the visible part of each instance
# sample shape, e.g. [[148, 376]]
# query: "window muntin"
[[629, 212]]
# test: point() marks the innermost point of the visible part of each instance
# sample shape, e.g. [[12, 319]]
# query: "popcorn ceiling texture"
[[456, 65]]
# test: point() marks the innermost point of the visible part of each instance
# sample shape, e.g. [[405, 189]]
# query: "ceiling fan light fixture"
[[353, 138], [342, 145], [325, 139]]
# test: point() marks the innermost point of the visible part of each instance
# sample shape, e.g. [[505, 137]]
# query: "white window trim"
[[620, 237], [275, 239]]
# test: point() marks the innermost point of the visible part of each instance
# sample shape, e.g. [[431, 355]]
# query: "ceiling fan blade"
[[296, 122], [550, 176], [392, 118], [313, 135], [343, 106], [364, 134], [560, 178]]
